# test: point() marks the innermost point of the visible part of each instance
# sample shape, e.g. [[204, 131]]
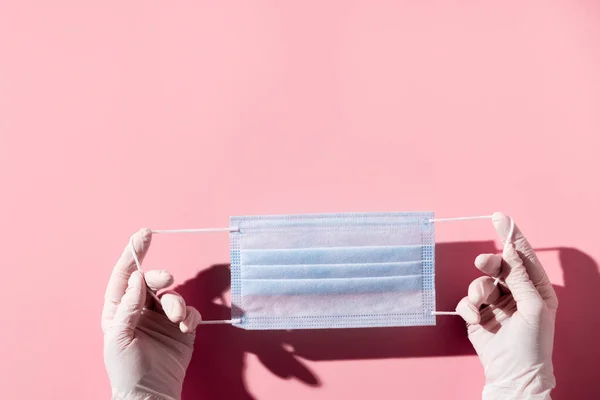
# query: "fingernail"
[[177, 311], [188, 323], [502, 224], [165, 278], [183, 327], [195, 322], [480, 260], [135, 278], [498, 216], [164, 274], [146, 233]]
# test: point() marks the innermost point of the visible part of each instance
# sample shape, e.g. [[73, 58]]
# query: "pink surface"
[[118, 115]]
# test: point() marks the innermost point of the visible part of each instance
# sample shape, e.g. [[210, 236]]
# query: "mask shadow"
[[218, 365]]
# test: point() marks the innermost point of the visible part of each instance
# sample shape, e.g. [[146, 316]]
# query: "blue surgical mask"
[[333, 270]]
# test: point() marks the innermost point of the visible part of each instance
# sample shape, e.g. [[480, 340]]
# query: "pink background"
[[118, 115]]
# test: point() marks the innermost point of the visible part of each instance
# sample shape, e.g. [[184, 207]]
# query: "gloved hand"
[[511, 326], [147, 346]]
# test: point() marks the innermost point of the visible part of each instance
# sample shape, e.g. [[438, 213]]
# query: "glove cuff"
[[496, 393], [535, 384], [139, 395], [536, 391]]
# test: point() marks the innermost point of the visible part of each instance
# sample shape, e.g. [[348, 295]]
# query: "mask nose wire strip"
[[203, 230], [509, 239]]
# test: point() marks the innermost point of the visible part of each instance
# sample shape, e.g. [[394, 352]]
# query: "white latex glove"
[[147, 347], [511, 326]]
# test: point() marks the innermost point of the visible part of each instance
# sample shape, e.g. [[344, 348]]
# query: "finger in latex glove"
[[511, 325], [146, 353]]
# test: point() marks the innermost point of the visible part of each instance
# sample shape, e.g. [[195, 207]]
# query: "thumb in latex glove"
[[511, 325], [147, 347]]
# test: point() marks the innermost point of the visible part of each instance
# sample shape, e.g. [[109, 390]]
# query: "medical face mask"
[[345, 270], [333, 270]]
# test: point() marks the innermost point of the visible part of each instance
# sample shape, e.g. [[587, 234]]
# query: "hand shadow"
[[217, 368], [218, 363], [576, 352]]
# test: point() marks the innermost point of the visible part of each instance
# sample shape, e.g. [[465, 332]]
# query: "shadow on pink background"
[[217, 368], [120, 115]]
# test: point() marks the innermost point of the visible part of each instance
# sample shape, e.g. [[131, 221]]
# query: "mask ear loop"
[[202, 230], [507, 243], [139, 267]]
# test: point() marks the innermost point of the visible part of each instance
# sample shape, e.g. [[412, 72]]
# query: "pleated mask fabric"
[[333, 270]]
